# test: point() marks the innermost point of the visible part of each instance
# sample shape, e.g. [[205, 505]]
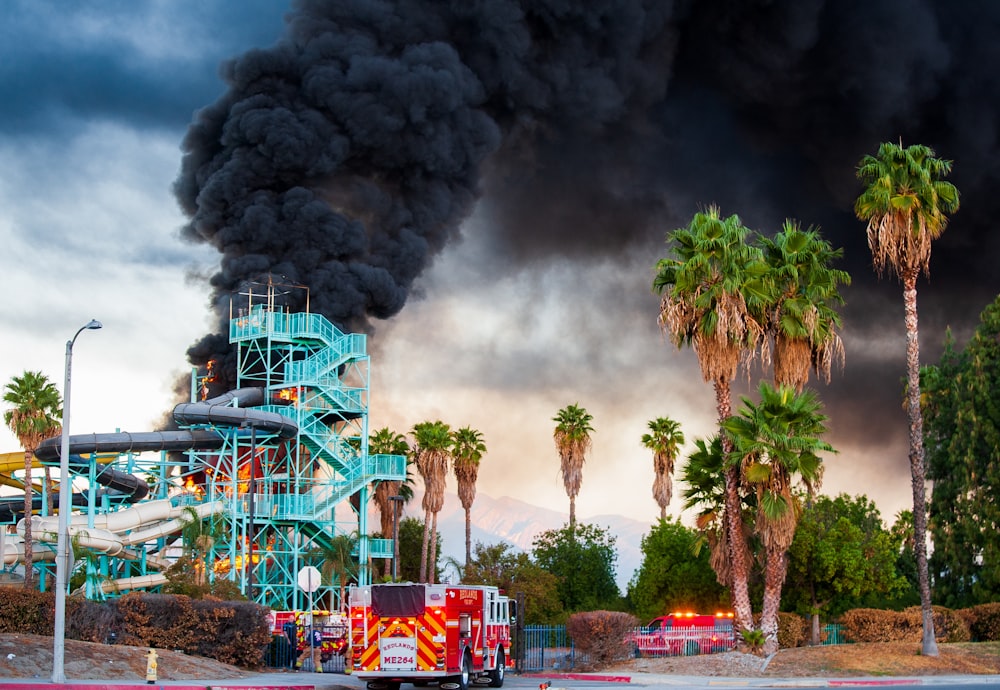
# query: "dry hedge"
[[603, 636], [876, 625], [233, 632]]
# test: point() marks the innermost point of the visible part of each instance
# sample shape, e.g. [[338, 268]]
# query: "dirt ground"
[[30, 656], [883, 659]]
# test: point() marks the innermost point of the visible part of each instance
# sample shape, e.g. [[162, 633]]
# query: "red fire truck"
[[419, 633], [684, 634]]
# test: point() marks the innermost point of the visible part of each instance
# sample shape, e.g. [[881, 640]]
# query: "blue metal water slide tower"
[[274, 471], [286, 499]]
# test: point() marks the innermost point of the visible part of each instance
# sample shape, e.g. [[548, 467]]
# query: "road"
[[574, 681]]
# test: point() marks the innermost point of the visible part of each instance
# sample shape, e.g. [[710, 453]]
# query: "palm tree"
[[387, 442], [572, 436], [34, 415], [714, 295], [431, 446], [803, 321], [198, 536], [703, 477], [905, 203], [665, 439], [775, 442], [467, 450], [337, 561]]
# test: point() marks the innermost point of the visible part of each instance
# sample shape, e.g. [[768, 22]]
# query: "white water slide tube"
[[153, 519], [113, 533]]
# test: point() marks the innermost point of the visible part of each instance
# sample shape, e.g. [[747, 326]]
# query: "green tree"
[[905, 203], [583, 557], [665, 439], [776, 442], [198, 537], [513, 572], [34, 415], [572, 437], [713, 298], [705, 490], [411, 534], [901, 532], [962, 437], [431, 451], [467, 450], [841, 556], [675, 574], [337, 563], [803, 320], [384, 441]]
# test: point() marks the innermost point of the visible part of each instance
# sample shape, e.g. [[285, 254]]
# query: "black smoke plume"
[[348, 154]]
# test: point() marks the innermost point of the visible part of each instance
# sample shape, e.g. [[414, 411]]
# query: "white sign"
[[398, 653], [309, 579]]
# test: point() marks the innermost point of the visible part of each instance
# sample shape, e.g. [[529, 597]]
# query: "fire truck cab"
[[423, 633]]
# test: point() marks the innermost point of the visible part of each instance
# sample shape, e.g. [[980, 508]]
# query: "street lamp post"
[[396, 501], [62, 542]]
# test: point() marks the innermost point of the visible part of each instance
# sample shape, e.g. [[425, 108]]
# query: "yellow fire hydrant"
[[151, 666]]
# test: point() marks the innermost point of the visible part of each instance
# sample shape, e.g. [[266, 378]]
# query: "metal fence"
[[548, 648], [282, 654]]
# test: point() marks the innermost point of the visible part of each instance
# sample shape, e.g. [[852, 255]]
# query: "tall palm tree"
[[906, 202], [431, 450], [467, 450], [386, 442], [34, 415], [775, 442], [713, 297], [665, 439], [572, 436], [803, 320]]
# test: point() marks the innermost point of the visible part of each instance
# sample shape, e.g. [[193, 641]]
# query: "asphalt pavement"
[[558, 681]]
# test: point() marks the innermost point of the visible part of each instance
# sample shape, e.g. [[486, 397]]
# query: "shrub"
[[233, 632], [26, 610], [875, 625], [792, 630], [949, 626], [604, 636], [983, 621]]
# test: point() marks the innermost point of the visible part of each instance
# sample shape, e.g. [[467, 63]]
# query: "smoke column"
[[346, 156]]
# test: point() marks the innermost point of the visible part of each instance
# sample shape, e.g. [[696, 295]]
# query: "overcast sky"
[[567, 159]]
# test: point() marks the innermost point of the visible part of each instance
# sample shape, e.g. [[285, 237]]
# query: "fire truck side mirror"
[[512, 608]]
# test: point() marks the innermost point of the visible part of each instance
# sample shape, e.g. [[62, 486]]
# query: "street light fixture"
[[62, 542]]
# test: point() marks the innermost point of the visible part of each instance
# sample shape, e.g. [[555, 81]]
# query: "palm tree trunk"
[[432, 551], [468, 542], [740, 568], [774, 577], [572, 513], [423, 546], [29, 554], [928, 644]]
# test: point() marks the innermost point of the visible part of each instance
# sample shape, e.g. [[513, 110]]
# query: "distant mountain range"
[[518, 523]]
